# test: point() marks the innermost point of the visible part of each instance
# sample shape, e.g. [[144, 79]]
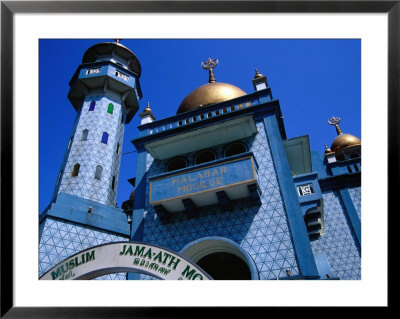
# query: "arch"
[[110, 108], [207, 246], [176, 163], [205, 156], [75, 170], [104, 138], [99, 172], [234, 149], [85, 134], [92, 106], [126, 256], [113, 183]]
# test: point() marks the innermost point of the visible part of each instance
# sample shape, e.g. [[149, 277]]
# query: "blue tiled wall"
[[60, 240], [355, 194], [338, 241], [260, 230]]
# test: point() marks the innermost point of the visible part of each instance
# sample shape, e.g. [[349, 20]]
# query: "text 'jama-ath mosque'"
[[219, 190]]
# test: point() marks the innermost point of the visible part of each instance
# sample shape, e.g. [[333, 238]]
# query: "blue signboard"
[[192, 182]]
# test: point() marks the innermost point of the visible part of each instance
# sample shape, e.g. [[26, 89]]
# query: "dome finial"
[[258, 74], [147, 108], [327, 149], [209, 65], [335, 121]]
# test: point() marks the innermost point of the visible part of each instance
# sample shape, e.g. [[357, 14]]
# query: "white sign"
[[126, 257]]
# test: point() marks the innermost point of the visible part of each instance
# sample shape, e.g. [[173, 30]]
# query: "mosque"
[[218, 185]]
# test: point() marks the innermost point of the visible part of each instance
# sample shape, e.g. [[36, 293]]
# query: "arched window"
[[59, 176], [113, 183], [99, 172], [69, 143], [75, 170], [176, 163], [104, 138], [205, 156], [84, 136], [110, 108], [234, 149], [92, 105]]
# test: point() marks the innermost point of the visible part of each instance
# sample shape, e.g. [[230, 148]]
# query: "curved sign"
[[126, 256]]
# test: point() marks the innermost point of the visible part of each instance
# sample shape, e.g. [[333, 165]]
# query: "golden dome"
[[344, 141], [209, 93]]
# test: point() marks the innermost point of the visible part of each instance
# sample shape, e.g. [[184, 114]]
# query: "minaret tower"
[[105, 92]]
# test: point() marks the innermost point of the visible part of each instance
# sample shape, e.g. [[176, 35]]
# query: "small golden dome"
[[327, 150], [344, 141], [209, 93], [258, 75]]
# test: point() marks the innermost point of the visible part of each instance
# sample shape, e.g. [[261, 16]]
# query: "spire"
[[327, 149], [147, 115], [209, 65], [259, 81], [258, 74], [335, 121]]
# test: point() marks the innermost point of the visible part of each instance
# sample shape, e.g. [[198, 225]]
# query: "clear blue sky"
[[313, 79]]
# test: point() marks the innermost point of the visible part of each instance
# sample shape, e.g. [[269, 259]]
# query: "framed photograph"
[[264, 42]]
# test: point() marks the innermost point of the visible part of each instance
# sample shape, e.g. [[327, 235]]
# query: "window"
[[104, 138], [122, 76], [205, 156], [110, 108], [75, 170], [84, 136], [117, 148], [349, 169], [176, 163], [69, 143], [113, 183], [92, 105], [93, 71], [59, 176], [99, 172], [234, 149]]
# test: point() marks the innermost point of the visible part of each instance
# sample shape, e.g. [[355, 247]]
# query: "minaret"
[[105, 92]]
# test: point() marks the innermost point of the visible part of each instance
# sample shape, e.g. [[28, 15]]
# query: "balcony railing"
[[204, 113], [217, 182]]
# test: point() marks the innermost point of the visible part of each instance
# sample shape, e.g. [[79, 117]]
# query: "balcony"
[[214, 183], [105, 77]]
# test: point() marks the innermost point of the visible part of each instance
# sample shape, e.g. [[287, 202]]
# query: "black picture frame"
[[9, 8]]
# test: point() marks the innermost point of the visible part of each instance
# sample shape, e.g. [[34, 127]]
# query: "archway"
[[221, 258], [126, 256]]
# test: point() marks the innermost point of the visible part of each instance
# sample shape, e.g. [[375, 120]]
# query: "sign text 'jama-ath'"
[[126, 257]]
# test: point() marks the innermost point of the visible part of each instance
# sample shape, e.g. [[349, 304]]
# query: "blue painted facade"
[[282, 226]]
